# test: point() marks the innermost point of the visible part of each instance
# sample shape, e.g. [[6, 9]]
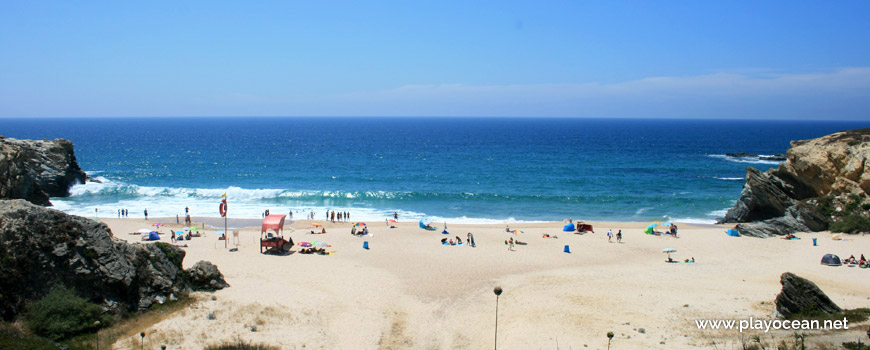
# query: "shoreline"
[[216, 223]]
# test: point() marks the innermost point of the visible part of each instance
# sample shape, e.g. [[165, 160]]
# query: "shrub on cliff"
[[62, 314], [853, 223]]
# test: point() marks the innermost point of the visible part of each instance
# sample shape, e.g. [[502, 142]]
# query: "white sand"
[[410, 292]]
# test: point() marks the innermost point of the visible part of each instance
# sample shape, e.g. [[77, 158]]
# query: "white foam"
[[752, 160], [728, 178]]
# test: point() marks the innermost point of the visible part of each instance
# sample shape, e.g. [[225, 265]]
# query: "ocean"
[[454, 170]]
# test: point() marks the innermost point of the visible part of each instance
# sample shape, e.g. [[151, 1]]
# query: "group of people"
[[123, 213], [671, 260], [363, 232], [511, 242], [339, 216], [618, 236], [469, 240], [860, 262], [179, 237], [320, 251]]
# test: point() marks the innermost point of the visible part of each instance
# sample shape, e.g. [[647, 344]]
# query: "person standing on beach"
[[619, 236], [609, 235], [146, 214], [470, 240], [396, 216]]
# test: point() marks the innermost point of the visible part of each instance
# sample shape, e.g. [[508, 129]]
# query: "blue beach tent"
[[152, 236], [733, 233], [569, 227]]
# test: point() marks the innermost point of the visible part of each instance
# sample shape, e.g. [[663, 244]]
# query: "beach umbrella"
[[157, 224], [359, 224], [669, 251], [321, 245], [179, 232], [304, 244], [194, 228], [186, 228], [219, 232], [391, 220], [316, 224], [667, 224], [426, 221], [145, 230]]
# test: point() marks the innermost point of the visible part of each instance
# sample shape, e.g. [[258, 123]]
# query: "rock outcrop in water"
[[41, 247], [831, 169], [35, 170], [801, 296]]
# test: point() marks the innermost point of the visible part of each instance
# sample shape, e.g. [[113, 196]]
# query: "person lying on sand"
[[789, 236]]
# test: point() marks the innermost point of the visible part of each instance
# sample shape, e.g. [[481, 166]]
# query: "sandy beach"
[[410, 292]]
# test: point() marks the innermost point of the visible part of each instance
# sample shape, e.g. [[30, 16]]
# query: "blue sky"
[[673, 59]]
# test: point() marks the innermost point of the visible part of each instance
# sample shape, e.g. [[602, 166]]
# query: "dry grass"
[[131, 327]]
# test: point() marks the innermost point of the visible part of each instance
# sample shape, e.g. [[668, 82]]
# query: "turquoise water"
[[453, 169]]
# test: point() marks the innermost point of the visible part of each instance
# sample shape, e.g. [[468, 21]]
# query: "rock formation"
[[801, 296], [41, 247], [781, 201], [35, 170], [205, 276]]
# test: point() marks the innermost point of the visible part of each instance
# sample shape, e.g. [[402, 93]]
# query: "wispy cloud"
[[844, 93], [839, 94]]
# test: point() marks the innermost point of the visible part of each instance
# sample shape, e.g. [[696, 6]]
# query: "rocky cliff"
[[35, 170], [795, 197], [41, 247]]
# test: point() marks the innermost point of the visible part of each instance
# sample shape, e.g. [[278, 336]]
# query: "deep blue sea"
[[485, 170]]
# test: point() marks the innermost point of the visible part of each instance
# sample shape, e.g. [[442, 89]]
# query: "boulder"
[[797, 218], [801, 296], [774, 202], [741, 155], [205, 276], [41, 247], [36, 170]]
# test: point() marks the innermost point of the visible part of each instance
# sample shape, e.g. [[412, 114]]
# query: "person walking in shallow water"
[[146, 214]]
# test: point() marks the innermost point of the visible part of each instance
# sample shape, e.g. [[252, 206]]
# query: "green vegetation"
[[240, 345], [853, 223], [170, 253], [62, 314], [853, 315], [12, 338], [852, 216]]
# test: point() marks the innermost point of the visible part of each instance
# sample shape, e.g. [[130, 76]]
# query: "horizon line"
[[431, 116]]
